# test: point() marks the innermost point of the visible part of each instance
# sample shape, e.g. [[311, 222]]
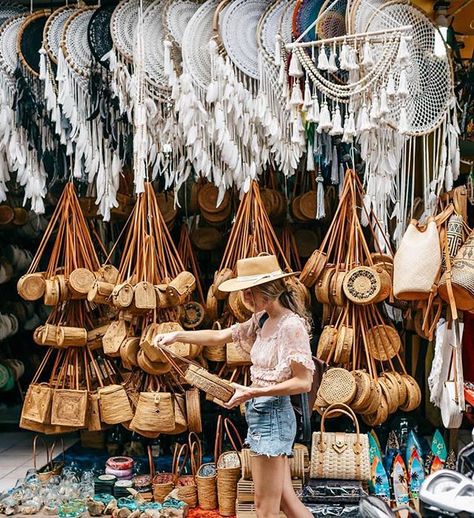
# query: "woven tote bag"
[[417, 262], [343, 456]]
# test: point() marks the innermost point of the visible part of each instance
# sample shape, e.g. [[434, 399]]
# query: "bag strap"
[[218, 439], [48, 458], [151, 462], [230, 429], [178, 466], [51, 452], [340, 407], [195, 452]]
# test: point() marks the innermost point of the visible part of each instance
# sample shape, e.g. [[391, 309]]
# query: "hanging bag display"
[[337, 455]]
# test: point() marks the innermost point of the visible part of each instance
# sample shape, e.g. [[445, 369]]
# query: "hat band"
[[251, 278]]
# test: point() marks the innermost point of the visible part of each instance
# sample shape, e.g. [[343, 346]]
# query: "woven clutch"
[[209, 383]]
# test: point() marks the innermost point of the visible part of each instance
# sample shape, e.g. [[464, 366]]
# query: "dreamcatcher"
[[94, 160], [232, 92], [12, 143], [30, 114], [274, 29], [427, 110]]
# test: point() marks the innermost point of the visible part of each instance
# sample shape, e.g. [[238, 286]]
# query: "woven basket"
[[144, 296], [221, 276], [80, 282], [115, 406], [209, 383], [193, 410], [215, 353], [93, 422], [114, 337], [181, 287], [206, 481], [363, 392], [155, 413], [69, 407], [228, 475], [31, 286], [313, 268], [322, 290], [181, 421], [163, 484], [153, 368], [236, 357], [37, 404], [337, 386], [327, 343], [383, 342], [122, 295], [212, 307], [185, 484], [193, 315]]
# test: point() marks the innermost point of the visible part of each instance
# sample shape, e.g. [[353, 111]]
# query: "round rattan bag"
[[364, 285], [327, 342], [338, 386], [383, 342], [363, 391]]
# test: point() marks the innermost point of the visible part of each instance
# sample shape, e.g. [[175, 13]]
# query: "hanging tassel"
[[349, 129], [167, 67], [323, 63], [341, 178], [383, 109], [315, 109], [403, 121], [448, 178], [310, 166], [402, 91], [390, 90], [364, 220], [296, 96], [277, 55], [295, 127], [353, 64], [295, 69], [344, 57], [368, 59], [363, 122], [307, 100], [324, 119], [403, 55], [334, 167], [374, 111], [320, 208], [282, 74], [332, 66], [337, 128]]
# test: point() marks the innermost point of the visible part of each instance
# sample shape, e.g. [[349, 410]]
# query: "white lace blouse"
[[272, 356]]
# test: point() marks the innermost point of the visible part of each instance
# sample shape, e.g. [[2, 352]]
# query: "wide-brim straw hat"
[[255, 271]]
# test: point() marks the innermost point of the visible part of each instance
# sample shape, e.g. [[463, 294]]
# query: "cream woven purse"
[[343, 456], [417, 262]]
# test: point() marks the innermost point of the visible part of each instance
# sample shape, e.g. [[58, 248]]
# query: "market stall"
[[148, 146]]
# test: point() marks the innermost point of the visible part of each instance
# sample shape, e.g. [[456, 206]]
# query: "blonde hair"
[[286, 294]]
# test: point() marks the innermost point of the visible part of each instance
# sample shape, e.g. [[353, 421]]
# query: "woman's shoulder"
[[294, 321]]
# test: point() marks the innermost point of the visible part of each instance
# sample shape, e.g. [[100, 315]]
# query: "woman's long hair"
[[287, 295]]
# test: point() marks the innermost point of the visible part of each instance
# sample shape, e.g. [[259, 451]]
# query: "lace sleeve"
[[294, 345], [244, 334]]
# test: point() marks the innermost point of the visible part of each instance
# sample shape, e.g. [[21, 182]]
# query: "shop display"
[[146, 146]]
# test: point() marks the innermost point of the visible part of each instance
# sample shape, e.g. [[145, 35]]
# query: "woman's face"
[[255, 300]]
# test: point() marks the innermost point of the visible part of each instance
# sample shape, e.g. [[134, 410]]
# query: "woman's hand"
[[241, 395], [165, 339]]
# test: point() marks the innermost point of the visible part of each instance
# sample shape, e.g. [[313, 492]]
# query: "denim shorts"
[[271, 425]]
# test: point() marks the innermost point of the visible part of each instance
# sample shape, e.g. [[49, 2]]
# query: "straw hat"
[[253, 272]]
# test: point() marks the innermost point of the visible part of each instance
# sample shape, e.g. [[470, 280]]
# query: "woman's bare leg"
[[268, 475], [290, 503]]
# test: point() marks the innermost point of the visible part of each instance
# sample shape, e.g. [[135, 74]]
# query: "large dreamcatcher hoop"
[[195, 44], [429, 77], [99, 34], [176, 15], [53, 30], [75, 42], [30, 39], [154, 66], [331, 21], [123, 25], [238, 28]]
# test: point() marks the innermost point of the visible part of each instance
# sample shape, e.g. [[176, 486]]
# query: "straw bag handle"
[[340, 407], [48, 452], [229, 427], [218, 440], [195, 453], [151, 462], [51, 453], [179, 466]]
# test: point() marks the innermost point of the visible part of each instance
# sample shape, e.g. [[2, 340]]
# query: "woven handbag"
[[417, 262], [343, 456]]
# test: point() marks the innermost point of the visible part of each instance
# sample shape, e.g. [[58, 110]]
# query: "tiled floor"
[[16, 455]]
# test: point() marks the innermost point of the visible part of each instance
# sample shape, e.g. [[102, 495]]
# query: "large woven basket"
[[228, 475], [114, 405]]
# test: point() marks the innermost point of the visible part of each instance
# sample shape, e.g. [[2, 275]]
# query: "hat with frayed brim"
[[255, 271]]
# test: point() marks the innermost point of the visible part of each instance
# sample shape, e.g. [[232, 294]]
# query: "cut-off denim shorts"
[[271, 425]]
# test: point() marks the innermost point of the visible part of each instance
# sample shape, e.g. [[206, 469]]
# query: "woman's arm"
[[300, 383], [206, 337]]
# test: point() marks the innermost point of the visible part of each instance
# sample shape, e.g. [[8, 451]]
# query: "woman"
[[278, 342]]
